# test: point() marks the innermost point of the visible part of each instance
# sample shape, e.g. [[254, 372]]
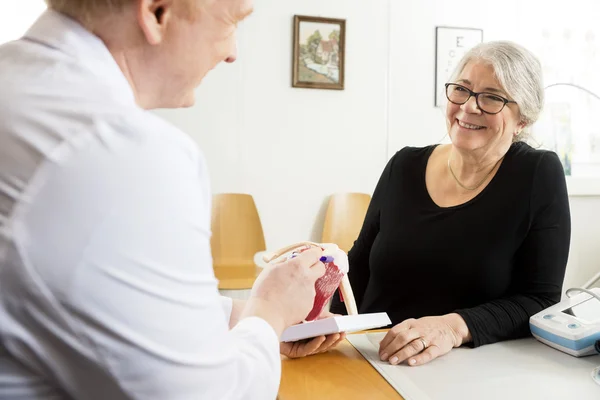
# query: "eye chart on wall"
[[450, 46]]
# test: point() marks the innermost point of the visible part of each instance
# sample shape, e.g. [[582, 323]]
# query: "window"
[[571, 61]]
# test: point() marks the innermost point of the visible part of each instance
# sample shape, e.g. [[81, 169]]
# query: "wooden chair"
[[237, 235], [344, 218]]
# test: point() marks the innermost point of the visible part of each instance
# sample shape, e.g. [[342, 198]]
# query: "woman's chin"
[[467, 140]]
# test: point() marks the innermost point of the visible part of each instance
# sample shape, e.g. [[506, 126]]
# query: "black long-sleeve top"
[[495, 260]]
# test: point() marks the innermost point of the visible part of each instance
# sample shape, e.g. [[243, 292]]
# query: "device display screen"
[[588, 310]]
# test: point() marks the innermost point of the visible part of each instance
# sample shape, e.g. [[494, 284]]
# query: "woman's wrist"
[[459, 327]]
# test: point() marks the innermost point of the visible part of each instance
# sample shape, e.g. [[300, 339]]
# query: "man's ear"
[[153, 17]]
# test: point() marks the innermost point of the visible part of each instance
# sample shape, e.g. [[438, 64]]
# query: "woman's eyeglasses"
[[489, 103]]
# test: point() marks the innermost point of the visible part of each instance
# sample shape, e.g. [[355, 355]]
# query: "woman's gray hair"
[[519, 72]]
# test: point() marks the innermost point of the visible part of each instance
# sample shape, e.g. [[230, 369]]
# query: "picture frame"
[[319, 52], [451, 43]]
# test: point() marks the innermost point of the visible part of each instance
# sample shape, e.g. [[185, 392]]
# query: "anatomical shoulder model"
[[336, 275]]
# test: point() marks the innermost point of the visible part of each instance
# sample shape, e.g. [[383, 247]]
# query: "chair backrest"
[[237, 235], [344, 218]]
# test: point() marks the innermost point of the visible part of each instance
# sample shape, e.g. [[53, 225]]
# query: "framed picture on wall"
[[319, 52], [450, 45]]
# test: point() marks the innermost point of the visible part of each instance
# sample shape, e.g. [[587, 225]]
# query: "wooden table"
[[342, 373]]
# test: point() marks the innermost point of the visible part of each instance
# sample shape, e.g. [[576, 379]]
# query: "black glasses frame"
[[476, 95]]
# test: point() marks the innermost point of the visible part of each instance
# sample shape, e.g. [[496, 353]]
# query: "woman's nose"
[[471, 106]]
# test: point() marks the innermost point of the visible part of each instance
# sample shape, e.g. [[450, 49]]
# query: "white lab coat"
[[106, 282]]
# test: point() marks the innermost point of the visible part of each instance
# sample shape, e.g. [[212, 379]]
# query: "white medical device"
[[571, 326]]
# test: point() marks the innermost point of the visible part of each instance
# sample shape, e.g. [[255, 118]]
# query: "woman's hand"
[[319, 344], [422, 340]]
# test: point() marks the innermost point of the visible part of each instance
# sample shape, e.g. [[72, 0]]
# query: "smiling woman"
[[17, 16], [463, 242]]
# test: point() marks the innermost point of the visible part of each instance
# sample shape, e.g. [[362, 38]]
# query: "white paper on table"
[[520, 369]]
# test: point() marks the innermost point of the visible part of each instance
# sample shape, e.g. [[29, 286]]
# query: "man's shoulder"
[[140, 140], [147, 127], [58, 94]]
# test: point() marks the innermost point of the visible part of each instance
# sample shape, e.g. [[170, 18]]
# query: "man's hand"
[[284, 293], [312, 346]]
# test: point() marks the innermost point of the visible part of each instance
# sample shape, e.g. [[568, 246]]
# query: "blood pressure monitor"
[[571, 326]]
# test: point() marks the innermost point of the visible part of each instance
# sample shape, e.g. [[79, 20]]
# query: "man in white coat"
[[106, 282]]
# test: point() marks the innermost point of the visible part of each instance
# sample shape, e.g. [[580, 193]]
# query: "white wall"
[[291, 148], [584, 258], [17, 16]]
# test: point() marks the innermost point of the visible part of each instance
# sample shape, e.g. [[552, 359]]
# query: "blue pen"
[[326, 259]]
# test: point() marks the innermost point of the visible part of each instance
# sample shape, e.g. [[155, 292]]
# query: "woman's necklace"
[[480, 182]]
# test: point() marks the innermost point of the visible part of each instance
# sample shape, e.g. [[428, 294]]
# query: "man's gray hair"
[[86, 6], [519, 72], [86, 10]]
